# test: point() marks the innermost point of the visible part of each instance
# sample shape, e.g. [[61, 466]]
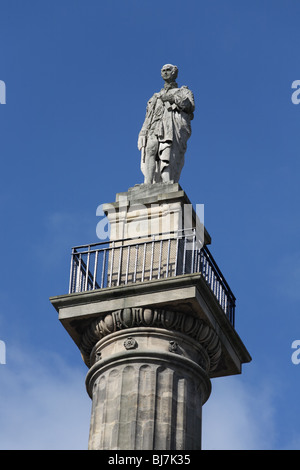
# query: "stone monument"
[[150, 310], [166, 130]]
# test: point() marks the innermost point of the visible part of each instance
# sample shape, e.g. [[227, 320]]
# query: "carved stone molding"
[[186, 324], [130, 343]]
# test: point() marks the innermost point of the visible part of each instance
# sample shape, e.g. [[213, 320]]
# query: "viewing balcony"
[[122, 262]]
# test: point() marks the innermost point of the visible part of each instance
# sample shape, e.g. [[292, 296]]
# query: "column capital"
[[196, 329]]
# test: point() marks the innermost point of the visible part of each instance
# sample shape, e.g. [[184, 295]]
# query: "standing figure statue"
[[166, 130]]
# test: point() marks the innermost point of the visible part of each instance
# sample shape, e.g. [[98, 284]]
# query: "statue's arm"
[[184, 99], [147, 122]]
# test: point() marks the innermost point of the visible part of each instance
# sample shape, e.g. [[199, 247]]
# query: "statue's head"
[[169, 72]]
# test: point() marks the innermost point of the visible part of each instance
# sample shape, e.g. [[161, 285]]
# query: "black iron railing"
[[120, 262]]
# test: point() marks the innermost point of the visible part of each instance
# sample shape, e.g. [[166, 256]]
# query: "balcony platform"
[[188, 294], [144, 267]]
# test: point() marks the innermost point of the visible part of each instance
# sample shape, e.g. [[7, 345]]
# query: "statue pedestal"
[[151, 210], [148, 214]]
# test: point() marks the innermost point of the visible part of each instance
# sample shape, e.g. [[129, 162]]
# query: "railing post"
[[144, 261], [87, 270], [78, 275], [95, 269], [184, 256], [120, 266], [71, 272], [152, 256], [103, 268], [127, 264], [168, 258], [111, 263], [159, 261], [135, 262], [176, 255], [193, 251]]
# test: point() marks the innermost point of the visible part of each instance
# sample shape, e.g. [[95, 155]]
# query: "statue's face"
[[167, 73]]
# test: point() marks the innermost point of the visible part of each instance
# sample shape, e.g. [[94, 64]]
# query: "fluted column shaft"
[[148, 386]]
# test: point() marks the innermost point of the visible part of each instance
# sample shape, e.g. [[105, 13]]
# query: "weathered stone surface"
[[166, 130], [147, 397], [147, 210], [189, 329], [151, 346], [187, 294]]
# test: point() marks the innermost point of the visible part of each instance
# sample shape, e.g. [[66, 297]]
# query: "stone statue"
[[166, 130]]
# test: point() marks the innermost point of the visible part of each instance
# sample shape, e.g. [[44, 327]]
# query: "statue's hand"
[[167, 97], [141, 141]]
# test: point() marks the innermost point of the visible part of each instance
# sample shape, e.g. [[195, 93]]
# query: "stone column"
[[155, 335], [148, 379]]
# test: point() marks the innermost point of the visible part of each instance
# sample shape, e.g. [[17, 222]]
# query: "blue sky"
[[78, 75]]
